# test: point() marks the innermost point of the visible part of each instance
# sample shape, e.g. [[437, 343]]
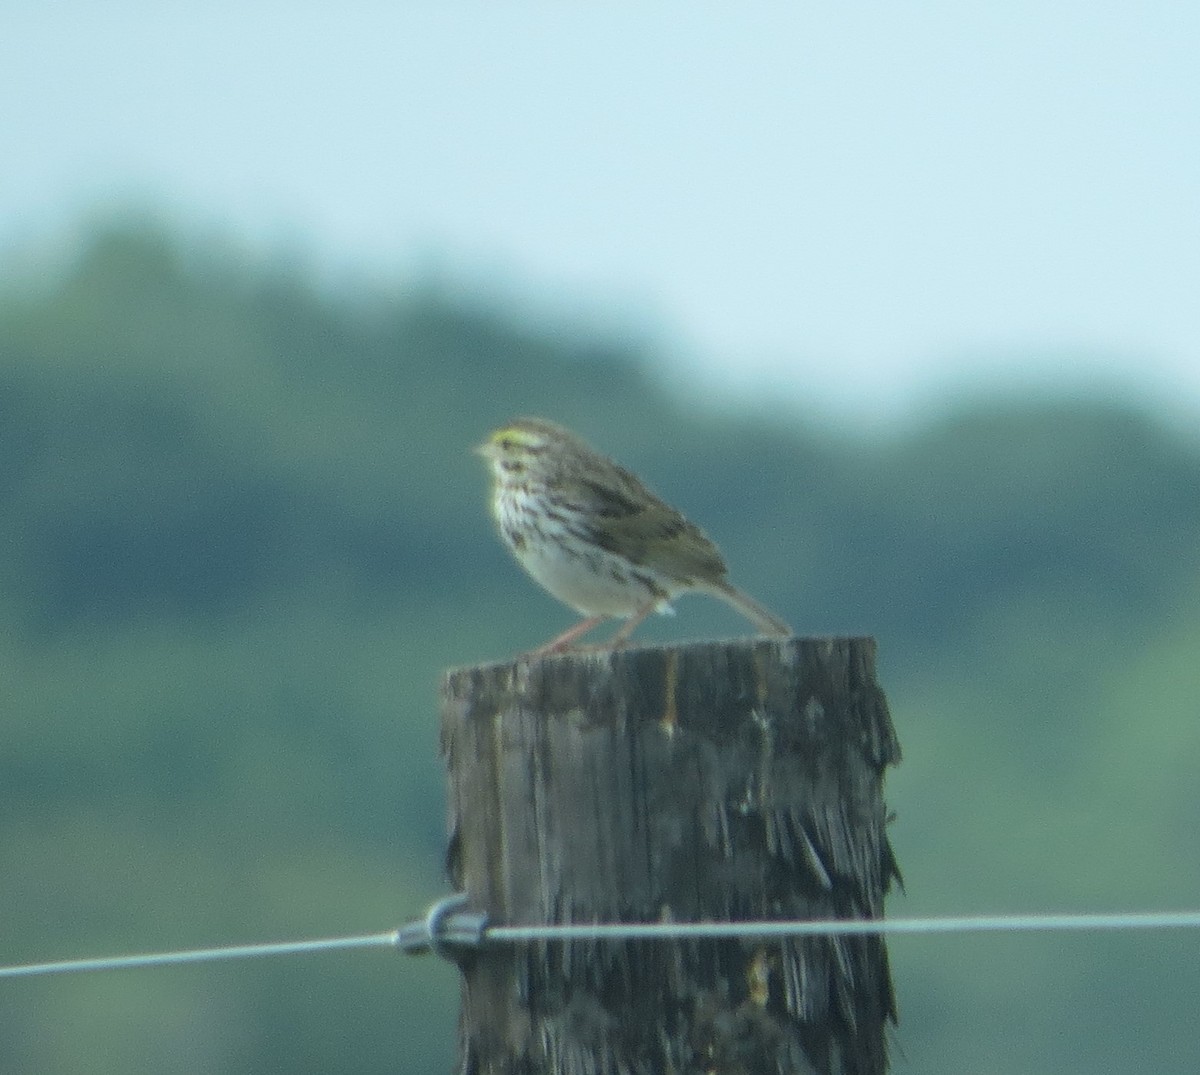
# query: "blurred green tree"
[[243, 532]]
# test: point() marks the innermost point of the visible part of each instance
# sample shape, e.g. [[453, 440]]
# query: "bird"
[[594, 536]]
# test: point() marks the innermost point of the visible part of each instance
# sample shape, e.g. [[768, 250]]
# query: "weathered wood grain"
[[714, 781]]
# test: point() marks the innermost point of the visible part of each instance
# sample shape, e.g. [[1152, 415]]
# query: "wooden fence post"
[[712, 781]]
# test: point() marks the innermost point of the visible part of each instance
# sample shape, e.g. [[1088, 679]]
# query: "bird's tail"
[[765, 621]]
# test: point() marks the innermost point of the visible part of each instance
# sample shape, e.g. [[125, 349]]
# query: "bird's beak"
[[484, 450]]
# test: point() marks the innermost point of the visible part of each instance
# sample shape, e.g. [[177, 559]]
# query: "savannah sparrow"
[[595, 537]]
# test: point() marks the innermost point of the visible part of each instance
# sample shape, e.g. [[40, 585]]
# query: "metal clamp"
[[443, 927]]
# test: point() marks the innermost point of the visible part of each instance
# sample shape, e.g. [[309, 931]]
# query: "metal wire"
[[201, 955], [444, 928], [824, 927]]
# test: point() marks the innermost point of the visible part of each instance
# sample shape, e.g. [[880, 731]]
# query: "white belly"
[[594, 583]]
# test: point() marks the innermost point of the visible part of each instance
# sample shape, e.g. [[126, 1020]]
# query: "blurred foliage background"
[[243, 534]]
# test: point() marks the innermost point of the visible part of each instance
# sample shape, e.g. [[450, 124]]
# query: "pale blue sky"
[[856, 203]]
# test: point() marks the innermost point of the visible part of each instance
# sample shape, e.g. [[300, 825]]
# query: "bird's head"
[[522, 444]]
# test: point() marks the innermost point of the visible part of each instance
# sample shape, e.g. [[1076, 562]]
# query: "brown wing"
[[628, 519]]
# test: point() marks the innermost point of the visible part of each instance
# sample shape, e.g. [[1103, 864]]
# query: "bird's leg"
[[630, 625], [563, 641]]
